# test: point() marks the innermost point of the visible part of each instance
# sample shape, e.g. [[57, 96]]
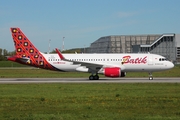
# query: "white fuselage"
[[127, 62]]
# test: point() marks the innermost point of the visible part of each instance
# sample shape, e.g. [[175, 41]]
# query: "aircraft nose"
[[170, 65]]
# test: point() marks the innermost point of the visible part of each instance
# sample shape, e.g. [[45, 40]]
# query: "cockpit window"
[[162, 59]]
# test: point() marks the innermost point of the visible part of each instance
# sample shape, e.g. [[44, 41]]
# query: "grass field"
[[133, 101], [137, 101], [11, 64]]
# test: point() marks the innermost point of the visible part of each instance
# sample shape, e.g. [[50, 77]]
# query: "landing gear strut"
[[150, 76], [94, 77]]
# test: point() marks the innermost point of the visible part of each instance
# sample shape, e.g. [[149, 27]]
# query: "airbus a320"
[[111, 65]]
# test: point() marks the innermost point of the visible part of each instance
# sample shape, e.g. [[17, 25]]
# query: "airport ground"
[[85, 80], [30, 93]]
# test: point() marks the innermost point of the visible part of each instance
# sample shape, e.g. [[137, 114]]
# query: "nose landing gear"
[[150, 76]]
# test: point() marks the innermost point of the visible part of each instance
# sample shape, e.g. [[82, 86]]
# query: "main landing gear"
[[94, 77], [150, 76]]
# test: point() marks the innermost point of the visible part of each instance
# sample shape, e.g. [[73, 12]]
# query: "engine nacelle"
[[114, 72]]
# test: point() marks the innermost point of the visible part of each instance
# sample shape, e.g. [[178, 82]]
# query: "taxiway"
[[85, 80]]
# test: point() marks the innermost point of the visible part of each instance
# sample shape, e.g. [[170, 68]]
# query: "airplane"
[[111, 65]]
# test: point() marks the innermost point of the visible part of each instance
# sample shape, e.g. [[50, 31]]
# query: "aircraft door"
[[150, 60]]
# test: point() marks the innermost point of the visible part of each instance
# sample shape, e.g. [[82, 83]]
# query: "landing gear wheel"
[[96, 77], [93, 77], [150, 78]]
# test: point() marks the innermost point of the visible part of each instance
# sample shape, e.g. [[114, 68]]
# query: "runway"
[[86, 80]]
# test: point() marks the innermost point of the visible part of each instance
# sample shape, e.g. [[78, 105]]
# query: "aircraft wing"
[[91, 66]]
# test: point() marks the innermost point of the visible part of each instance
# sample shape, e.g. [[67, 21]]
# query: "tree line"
[[5, 53]]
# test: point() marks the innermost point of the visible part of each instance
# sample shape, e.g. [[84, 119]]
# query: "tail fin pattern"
[[26, 52]]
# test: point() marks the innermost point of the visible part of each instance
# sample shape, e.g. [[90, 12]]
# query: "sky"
[[81, 22]]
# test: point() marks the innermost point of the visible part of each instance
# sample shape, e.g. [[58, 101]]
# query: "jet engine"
[[114, 72]]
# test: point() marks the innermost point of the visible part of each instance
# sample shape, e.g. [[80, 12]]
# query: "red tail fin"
[[26, 52], [23, 45]]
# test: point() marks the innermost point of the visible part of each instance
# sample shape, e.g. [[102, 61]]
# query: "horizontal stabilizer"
[[16, 58]]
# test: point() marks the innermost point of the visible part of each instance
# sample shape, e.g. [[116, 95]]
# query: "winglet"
[[60, 54]]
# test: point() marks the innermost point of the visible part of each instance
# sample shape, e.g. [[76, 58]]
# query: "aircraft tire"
[[96, 77], [91, 77], [150, 78]]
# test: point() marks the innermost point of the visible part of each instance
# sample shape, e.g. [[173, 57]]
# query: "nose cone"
[[170, 65]]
